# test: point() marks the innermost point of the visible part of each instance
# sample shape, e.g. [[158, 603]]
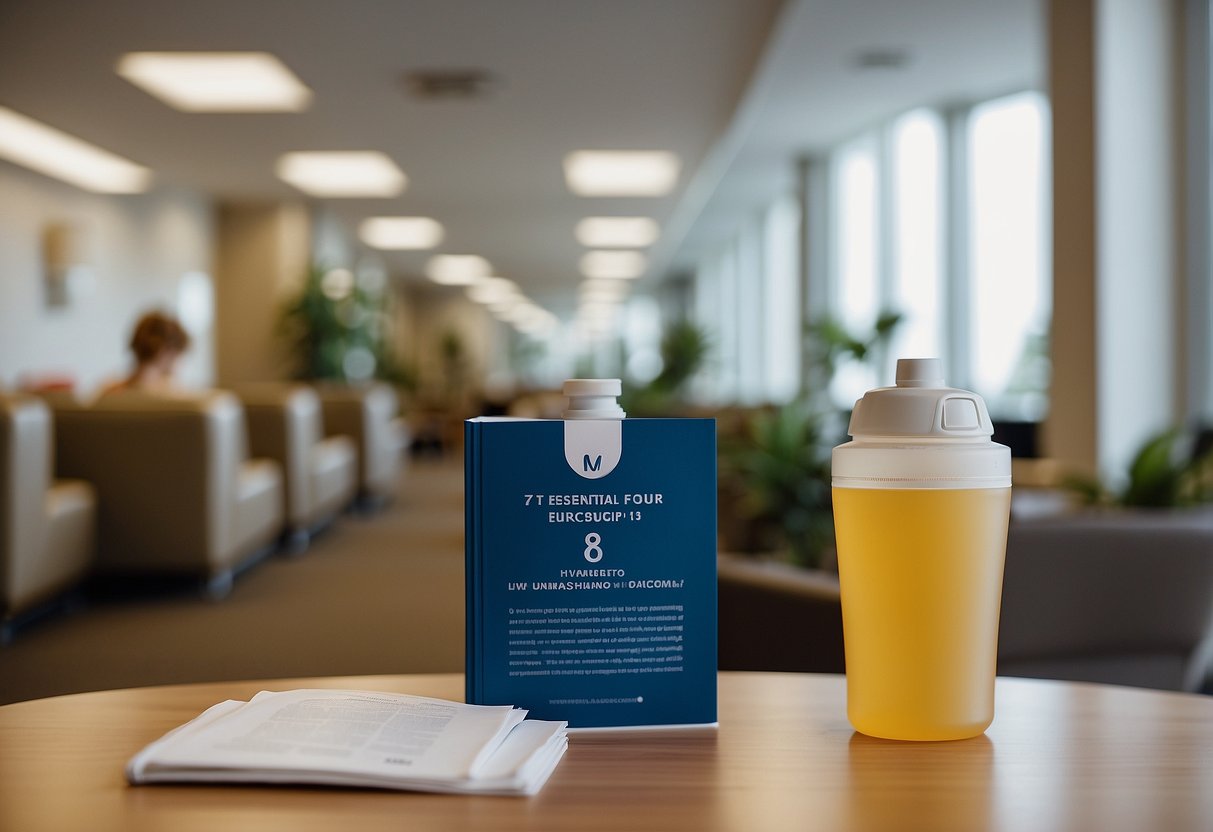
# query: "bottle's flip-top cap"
[[593, 398], [921, 434], [921, 406]]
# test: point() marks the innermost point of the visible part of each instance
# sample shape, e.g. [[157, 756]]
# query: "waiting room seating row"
[[196, 485], [368, 416], [285, 424]]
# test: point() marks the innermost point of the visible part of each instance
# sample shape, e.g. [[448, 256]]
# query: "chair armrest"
[[284, 424]]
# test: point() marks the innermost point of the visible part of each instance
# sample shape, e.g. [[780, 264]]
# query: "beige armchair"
[[285, 424], [47, 527], [368, 415], [177, 492]]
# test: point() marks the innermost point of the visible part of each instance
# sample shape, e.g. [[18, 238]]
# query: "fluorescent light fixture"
[[493, 290], [594, 308], [217, 82], [596, 302], [540, 327], [528, 317], [605, 287], [503, 307], [503, 311], [43, 148], [597, 314], [524, 311], [342, 173], [400, 233], [617, 232], [621, 172], [613, 264], [457, 269]]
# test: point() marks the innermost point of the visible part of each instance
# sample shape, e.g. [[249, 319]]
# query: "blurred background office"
[[376, 219]]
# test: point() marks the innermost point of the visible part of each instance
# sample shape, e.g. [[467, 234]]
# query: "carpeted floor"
[[378, 593]]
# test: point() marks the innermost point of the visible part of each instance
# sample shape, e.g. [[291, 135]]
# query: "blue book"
[[591, 569]]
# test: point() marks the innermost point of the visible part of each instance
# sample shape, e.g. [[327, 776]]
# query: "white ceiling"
[[735, 87], [808, 94], [599, 74]]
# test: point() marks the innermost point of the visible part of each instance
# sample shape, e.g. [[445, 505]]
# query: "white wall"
[[134, 250]]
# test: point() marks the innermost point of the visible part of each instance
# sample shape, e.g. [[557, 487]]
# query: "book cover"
[[591, 569]]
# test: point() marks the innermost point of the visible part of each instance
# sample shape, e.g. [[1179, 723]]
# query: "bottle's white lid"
[[919, 405], [921, 434], [593, 398]]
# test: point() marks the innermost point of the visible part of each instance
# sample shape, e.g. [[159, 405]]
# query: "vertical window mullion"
[[886, 242], [958, 338], [818, 259]]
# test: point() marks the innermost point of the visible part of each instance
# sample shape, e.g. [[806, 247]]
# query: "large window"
[[917, 238], [747, 296], [888, 247], [941, 217], [1009, 283], [987, 315], [855, 249]]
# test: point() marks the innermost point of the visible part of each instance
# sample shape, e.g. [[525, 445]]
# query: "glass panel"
[[728, 318], [749, 310], [642, 339], [1010, 275], [917, 235], [855, 298], [781, 319]]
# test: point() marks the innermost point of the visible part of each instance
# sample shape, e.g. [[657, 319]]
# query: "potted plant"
[[337, 328], [685, 347], [775, 473]]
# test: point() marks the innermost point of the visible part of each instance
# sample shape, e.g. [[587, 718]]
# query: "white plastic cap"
[[919, 372], [921, 434], [593, 398], [920, 406]]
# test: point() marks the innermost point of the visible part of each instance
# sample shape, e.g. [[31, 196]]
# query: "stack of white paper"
[[358, 738]]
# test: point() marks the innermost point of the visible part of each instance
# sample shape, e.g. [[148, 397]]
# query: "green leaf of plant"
[[1154, 477]]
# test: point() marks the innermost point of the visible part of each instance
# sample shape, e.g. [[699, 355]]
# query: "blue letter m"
[[586, 465]]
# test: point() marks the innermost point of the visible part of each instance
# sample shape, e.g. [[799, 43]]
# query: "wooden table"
[[1059, 756]]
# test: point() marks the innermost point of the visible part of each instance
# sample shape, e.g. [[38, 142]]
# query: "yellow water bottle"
[[921, 502]]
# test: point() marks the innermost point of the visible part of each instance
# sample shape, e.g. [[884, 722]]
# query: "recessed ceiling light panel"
[[605, 289], [342, 173], [400, 233], [217, 82], [613, 264], [457, 269], [493, 291], [617, 232], [621, 172], [52, 152]]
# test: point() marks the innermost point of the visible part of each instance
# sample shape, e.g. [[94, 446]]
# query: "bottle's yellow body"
[[921, 574]]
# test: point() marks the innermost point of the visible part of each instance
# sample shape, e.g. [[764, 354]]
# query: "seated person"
[[157, 342]]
